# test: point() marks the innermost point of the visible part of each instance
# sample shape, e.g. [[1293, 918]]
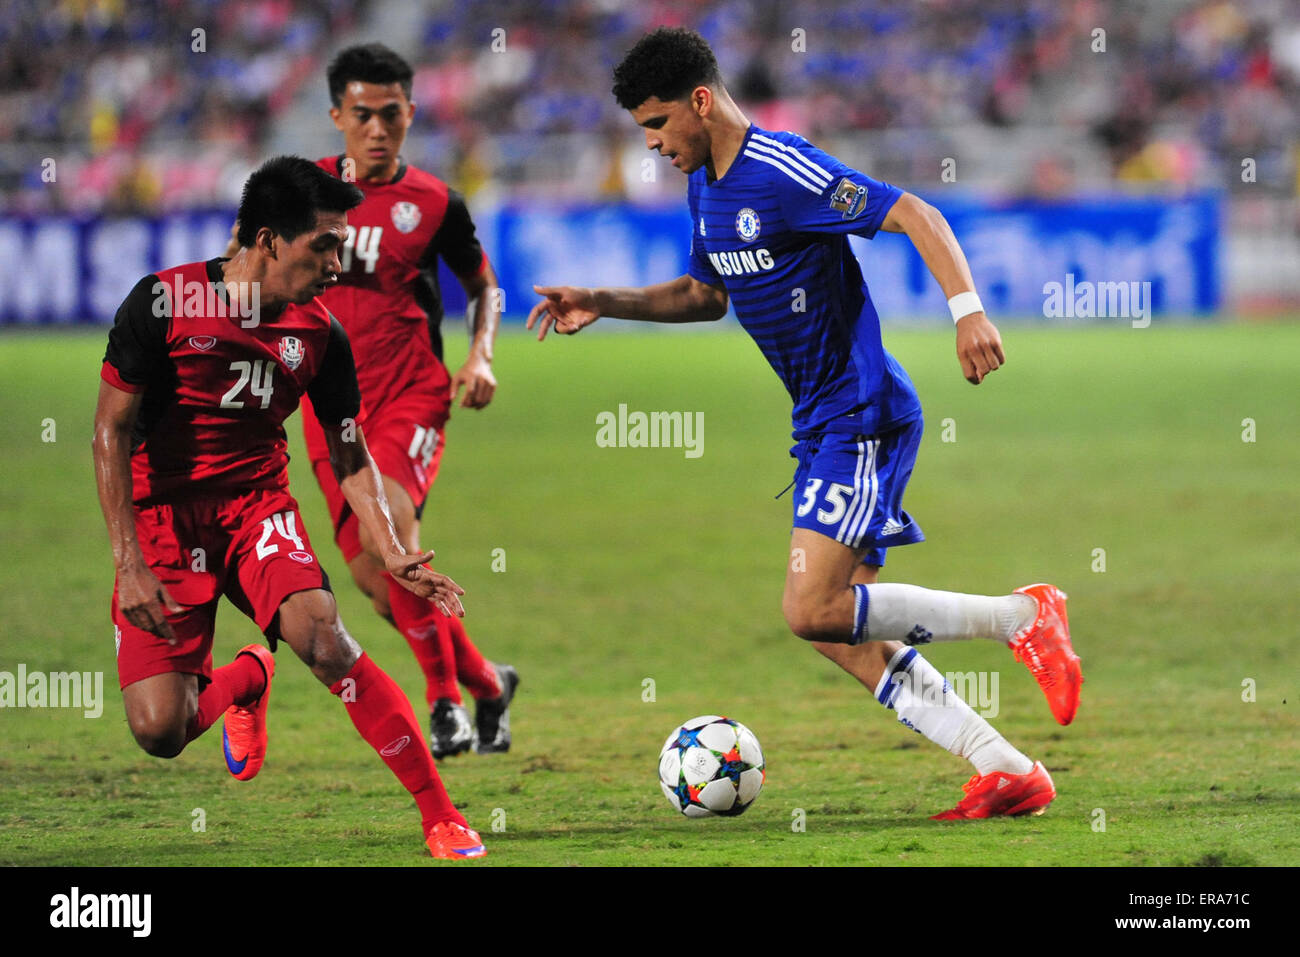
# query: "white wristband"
[[963, 304]]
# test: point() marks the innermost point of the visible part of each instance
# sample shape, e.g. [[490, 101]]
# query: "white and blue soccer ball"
[[711, 765]]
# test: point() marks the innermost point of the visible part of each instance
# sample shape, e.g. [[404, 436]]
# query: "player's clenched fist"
[[568, 308], [979, 347], [417, 577]]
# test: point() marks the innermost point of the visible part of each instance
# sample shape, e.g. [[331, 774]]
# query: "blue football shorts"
[[850, 488]]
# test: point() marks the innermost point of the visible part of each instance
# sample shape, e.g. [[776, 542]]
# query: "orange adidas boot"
[[1003, 795], [1044, 648]]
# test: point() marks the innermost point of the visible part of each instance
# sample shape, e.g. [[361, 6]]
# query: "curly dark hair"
[[369, 63], [666, 64]]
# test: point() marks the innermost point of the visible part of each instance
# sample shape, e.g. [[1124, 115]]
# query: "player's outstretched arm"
[[363, 488], [979, 347], [140, 596], [570, 308], [484, 315]]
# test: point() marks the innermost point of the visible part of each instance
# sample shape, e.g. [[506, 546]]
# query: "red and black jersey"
[[216, 393], [387, 296]]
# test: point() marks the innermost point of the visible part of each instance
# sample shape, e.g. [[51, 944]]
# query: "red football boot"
[[1044, 648], [454, 842], [243, 733], [1003, 795]]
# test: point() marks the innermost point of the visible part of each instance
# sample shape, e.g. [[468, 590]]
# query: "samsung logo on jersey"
[[742, 262]]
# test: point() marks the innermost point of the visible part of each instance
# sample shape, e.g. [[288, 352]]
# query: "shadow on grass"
[[731, 831]]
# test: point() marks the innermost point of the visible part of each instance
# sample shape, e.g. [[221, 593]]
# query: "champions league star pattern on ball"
[[711, 765]]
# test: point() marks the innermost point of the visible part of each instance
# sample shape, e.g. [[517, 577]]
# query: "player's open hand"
[[144, 602], [418, 577], [979, 347], [567, 308], [476, 378]]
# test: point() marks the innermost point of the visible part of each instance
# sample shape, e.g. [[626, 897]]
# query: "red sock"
[[240, 682], [386, 720], [474, 671], [416, 618]]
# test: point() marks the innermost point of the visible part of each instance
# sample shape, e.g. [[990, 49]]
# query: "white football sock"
[[916, 615], [926, 703], [979, 743]]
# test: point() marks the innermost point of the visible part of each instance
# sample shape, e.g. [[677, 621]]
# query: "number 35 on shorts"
[[835, 501]]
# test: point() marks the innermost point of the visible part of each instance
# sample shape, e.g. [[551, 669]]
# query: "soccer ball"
[[711, 765]]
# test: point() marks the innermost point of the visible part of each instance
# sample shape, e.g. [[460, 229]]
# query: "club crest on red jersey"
[[291, 351], [406, 216]]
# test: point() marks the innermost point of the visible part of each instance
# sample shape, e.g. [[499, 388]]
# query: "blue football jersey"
[[774, 233]]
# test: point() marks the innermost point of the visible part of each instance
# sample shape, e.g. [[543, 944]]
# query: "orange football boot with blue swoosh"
[[243, 733], [452, 841]]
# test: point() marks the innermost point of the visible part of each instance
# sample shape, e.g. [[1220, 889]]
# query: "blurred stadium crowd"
[[513, 95], [140, 112]]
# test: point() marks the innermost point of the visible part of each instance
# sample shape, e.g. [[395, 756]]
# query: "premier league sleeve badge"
[[849, 198]]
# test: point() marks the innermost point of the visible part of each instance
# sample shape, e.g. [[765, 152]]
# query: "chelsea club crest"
[[747, 225]]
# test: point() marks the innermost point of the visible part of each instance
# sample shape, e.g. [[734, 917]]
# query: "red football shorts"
[[252, 548], [405, 438]]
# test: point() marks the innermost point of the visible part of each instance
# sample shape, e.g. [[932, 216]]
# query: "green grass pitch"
[[642, 587]]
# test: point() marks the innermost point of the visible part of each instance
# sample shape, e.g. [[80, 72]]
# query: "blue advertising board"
[[1018, 249], [61, 269]]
